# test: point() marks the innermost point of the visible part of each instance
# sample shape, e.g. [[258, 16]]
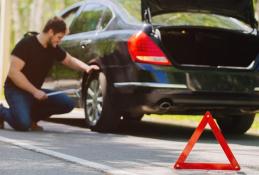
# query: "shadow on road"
[[164, 131]]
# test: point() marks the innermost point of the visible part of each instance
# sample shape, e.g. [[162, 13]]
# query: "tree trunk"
[[36, 15], [16, 20]]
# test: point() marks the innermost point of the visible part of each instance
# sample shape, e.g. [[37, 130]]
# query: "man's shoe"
[[36, 127], [1, 120], [1, 123]]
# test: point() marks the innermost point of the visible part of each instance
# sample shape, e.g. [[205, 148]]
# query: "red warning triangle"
[[180, 163]]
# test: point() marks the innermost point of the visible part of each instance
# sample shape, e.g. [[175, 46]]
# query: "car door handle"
[[84, 43]]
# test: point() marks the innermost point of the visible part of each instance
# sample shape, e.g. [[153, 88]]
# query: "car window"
[[88, 19], [69, 16], [105, 19]]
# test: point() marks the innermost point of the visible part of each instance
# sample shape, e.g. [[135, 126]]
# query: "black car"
[[165, 57]]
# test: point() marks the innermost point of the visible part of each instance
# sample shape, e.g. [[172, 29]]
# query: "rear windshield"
[[133, 9], [199, 19]]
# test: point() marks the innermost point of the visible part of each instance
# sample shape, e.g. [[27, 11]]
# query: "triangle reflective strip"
[[207, 119]]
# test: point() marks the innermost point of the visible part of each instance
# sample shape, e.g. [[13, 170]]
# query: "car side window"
[[105, 19], [69, 16], [88, 19]]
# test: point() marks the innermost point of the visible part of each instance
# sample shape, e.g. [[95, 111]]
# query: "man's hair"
[[57, 24]]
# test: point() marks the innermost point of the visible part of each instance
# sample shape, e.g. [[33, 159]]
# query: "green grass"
[[192, 118], [195, 118], [256, 123]]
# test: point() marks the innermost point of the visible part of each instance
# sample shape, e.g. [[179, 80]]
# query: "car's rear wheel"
[[132, 117], [237, 125], [100, 113]]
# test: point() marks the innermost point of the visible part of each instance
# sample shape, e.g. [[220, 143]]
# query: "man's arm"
[[77, 64], [20, 80]]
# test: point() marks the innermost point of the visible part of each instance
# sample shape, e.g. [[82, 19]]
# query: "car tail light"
[[144, 50]]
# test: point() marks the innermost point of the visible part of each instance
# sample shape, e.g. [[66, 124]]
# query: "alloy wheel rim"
[[94, 102]]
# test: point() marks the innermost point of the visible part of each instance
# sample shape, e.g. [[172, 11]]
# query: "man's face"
[[55, 39]]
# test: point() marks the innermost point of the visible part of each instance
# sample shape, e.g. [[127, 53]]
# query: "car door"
[[83, 31], [97, 44], [89, 20]]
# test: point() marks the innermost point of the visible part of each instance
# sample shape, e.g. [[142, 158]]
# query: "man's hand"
[[92, 68], [40, 95], [77, 64]]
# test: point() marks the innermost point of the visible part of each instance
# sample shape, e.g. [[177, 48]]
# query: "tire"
[[236, 125], [133, 117], [100, 113]]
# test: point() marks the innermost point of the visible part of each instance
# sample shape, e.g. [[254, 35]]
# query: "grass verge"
[[191, 119]]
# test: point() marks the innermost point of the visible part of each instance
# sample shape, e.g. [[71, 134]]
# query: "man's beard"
[[49, 44]]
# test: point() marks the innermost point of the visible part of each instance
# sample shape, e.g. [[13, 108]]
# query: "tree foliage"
[[30, 15]]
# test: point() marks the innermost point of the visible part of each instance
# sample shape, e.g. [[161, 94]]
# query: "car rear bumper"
[[148, 97]]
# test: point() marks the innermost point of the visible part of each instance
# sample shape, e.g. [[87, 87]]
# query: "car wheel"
[[236, 125], [100, 113]]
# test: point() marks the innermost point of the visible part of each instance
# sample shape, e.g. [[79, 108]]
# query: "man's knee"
[[62, 105], [69, 106], [22, 125]]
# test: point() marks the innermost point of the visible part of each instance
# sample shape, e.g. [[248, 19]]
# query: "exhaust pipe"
[[165, 106]]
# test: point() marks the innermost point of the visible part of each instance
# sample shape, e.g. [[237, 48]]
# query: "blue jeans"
[[24, 108]]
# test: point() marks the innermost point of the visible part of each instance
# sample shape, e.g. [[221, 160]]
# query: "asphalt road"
[[18, 161], [142, 148]]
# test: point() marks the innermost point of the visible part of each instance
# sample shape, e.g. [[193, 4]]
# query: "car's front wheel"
[[235, 124], [100, 113]]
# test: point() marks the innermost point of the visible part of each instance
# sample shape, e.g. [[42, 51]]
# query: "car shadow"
[[165, 131]]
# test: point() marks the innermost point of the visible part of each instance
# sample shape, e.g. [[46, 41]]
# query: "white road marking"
[[97, 166]]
